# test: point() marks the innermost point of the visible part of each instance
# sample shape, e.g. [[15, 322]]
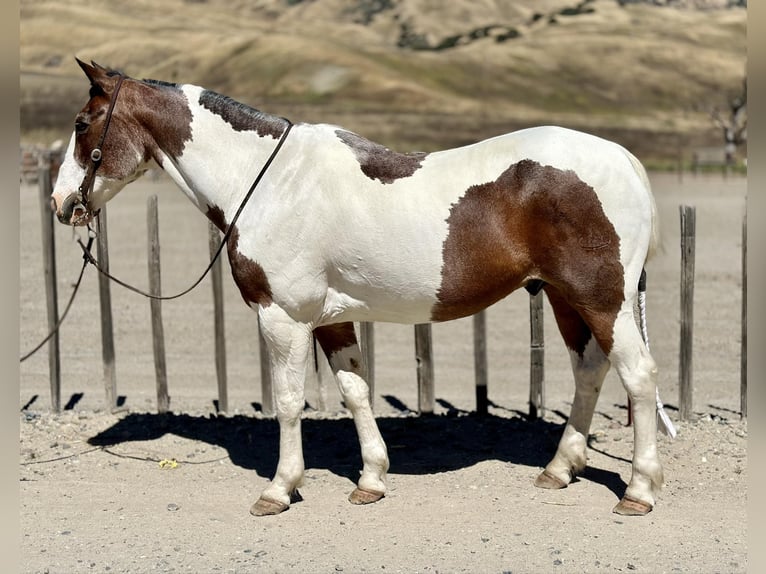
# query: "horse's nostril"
[[53, 205]]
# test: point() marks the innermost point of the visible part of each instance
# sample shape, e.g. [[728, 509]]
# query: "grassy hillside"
[[410, 73]]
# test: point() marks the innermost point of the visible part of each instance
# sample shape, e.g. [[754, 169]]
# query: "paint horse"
[[342, 229]]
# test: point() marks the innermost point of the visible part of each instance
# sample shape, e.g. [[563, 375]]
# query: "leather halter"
[[96, 155]]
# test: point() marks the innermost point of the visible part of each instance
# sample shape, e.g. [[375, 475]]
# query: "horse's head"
[[106, 150]]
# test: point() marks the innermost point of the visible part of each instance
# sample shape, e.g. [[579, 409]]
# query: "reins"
[[96, 155], [87, 254], [86, 187], [55, 328]]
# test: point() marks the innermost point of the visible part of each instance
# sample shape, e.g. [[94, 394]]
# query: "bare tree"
[[733, 125]]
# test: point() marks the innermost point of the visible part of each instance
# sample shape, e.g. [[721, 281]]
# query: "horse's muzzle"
[[73, 211]]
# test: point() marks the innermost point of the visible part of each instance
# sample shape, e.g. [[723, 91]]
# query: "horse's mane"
[[161, 83]]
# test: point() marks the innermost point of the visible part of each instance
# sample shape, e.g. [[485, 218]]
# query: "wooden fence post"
[[480, 361], [105, 301], [155, 305], [688, 231], [536, 356], [367, 348], [425, 369], [743, 350], [218, 320], [49, 274]]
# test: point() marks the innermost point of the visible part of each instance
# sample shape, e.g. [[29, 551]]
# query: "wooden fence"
[[365, 331]]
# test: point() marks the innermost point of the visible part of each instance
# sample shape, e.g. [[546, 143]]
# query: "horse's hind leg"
[[638, 373], [589, 365], [342, 350]]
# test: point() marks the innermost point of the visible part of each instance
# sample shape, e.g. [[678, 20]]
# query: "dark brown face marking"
[[379, 162], [242, 117], [533, 222], [147, 116], [248, 274]]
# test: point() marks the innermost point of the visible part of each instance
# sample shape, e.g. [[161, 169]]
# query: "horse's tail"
[[663, 420]]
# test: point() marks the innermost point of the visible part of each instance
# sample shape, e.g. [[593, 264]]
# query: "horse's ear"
[[96, 74]]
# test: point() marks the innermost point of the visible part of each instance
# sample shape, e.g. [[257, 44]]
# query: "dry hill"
[[410, 73]]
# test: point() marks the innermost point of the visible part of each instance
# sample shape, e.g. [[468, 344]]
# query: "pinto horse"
[[342, 229]]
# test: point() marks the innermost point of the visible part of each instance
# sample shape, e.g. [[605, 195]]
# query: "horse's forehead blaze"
[[533, 221], [377, 161], [249, 276]]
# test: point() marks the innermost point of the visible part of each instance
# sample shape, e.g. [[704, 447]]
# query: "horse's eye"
[[81, 127]]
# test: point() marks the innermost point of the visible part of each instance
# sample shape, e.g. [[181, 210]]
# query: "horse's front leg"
[[289, 345], [342, 350]]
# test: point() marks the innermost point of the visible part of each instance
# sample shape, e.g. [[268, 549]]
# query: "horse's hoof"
[[631, 507], [266, 507], [360, 496], [546, 480]]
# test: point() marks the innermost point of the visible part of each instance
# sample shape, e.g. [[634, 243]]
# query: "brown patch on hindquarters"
[[248, 274], [533, 222], [377, 161], [572, 327]]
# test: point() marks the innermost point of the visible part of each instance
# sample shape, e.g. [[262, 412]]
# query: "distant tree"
[[734, 124]]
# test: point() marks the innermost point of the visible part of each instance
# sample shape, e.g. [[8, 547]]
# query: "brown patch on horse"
[[242, 117], [532, 222], [572, 327], [334, 338], [142, 107], [248, 274], [379, 162], [163, 101]]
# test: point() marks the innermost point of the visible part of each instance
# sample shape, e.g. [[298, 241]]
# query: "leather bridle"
[[97, 155]]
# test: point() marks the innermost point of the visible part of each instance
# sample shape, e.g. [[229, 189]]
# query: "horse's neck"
[[219, 163]]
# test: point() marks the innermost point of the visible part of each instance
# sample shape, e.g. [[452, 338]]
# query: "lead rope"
[[90, 259], [55, 328], [663, 420]]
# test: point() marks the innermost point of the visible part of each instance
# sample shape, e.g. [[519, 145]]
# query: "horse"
[[337, 228]]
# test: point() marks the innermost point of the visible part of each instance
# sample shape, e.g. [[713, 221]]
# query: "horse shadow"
[[417, 445]]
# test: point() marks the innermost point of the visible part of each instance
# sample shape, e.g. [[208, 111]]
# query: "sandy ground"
[[133, 491]]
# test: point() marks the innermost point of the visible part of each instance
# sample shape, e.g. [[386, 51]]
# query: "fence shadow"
[[417, 445]]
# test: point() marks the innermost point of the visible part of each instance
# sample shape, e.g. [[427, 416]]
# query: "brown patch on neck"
[[532, 222], [379, 162], [167, 116], [249, 276]]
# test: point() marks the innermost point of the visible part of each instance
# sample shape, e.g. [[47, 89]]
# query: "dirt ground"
[[134, 491]]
